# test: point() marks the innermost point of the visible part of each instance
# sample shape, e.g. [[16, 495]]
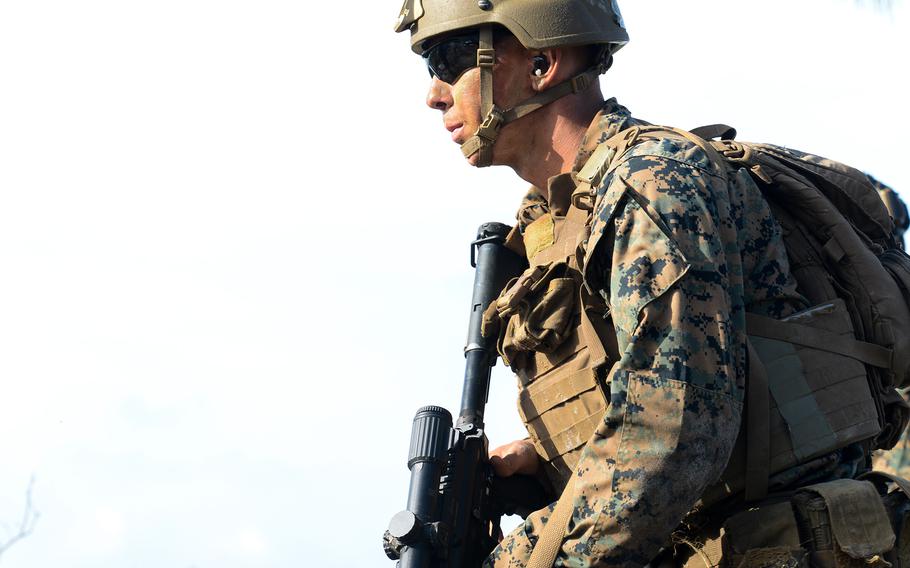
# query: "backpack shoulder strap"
[[623, 141]]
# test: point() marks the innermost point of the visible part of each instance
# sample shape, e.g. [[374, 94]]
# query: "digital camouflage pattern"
[[679, 254]]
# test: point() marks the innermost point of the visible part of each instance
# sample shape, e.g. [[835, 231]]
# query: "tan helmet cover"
[[537, 24]]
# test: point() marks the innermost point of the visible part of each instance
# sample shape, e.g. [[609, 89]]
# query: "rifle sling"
[[550, 541]]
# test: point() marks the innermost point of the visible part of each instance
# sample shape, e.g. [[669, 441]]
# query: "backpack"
[[845, 257]]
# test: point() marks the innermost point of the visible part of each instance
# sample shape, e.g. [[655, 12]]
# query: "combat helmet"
[[536, 24]]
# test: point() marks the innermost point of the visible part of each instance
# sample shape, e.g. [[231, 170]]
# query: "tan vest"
[[550, 320]]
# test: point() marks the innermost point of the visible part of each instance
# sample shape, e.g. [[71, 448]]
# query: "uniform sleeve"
[[664, 250], [672, 278]]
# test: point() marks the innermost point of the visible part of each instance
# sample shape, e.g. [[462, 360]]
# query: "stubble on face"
[[511, 84]]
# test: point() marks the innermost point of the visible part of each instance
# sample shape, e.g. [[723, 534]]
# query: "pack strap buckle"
[[741, 154], [734, 150], [583, 197]]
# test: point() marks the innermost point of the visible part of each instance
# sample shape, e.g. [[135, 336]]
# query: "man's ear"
[[546, 68]]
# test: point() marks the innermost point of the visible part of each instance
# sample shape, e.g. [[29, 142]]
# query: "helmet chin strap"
[[482, 141], [484, 138]]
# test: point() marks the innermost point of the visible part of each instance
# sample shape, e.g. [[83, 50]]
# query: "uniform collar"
[[609, 120], [559, 193]]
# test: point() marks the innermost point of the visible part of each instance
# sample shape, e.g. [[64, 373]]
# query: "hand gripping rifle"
[[452, 516]]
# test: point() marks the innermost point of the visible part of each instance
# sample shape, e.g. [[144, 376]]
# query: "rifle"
[[454, 502]]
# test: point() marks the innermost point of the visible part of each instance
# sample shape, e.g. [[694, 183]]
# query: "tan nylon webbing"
[[574, 85], [482, 140], [472, 146], [550, 541], [486, 90], [485, 43], [596, 351]]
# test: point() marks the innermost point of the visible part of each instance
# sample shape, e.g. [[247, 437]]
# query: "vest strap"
[[550, 541], [593, 308], [791, 332], [880, 477], [758, 428], [594, 340]]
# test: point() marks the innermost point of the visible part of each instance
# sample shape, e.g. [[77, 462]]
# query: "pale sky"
[[234, 250]]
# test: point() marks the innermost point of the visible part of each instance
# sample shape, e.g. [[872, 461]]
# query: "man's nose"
[[440, 95]]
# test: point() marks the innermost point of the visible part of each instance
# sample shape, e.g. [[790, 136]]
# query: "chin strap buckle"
[[489, 130], [486, 57], [482, 140], [581, 82]]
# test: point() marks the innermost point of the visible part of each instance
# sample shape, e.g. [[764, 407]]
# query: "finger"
[[503, 466], [525, 460]]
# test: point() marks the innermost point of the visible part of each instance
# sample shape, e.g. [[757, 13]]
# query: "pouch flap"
[[859, 522], [538, 308], [768, 525]]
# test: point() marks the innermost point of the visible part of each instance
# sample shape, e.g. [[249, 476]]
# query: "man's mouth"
[[456, 130]]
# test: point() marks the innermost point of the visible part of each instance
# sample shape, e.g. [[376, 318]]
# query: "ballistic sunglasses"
[[448, 59]]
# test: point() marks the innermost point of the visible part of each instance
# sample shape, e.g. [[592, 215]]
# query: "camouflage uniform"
[[895, 461], [679, 257]]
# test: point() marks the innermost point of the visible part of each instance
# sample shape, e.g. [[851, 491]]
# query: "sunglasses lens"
[[449, 59]]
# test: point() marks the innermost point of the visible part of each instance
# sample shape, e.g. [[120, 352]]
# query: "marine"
[[648, 253], [675, 287]]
